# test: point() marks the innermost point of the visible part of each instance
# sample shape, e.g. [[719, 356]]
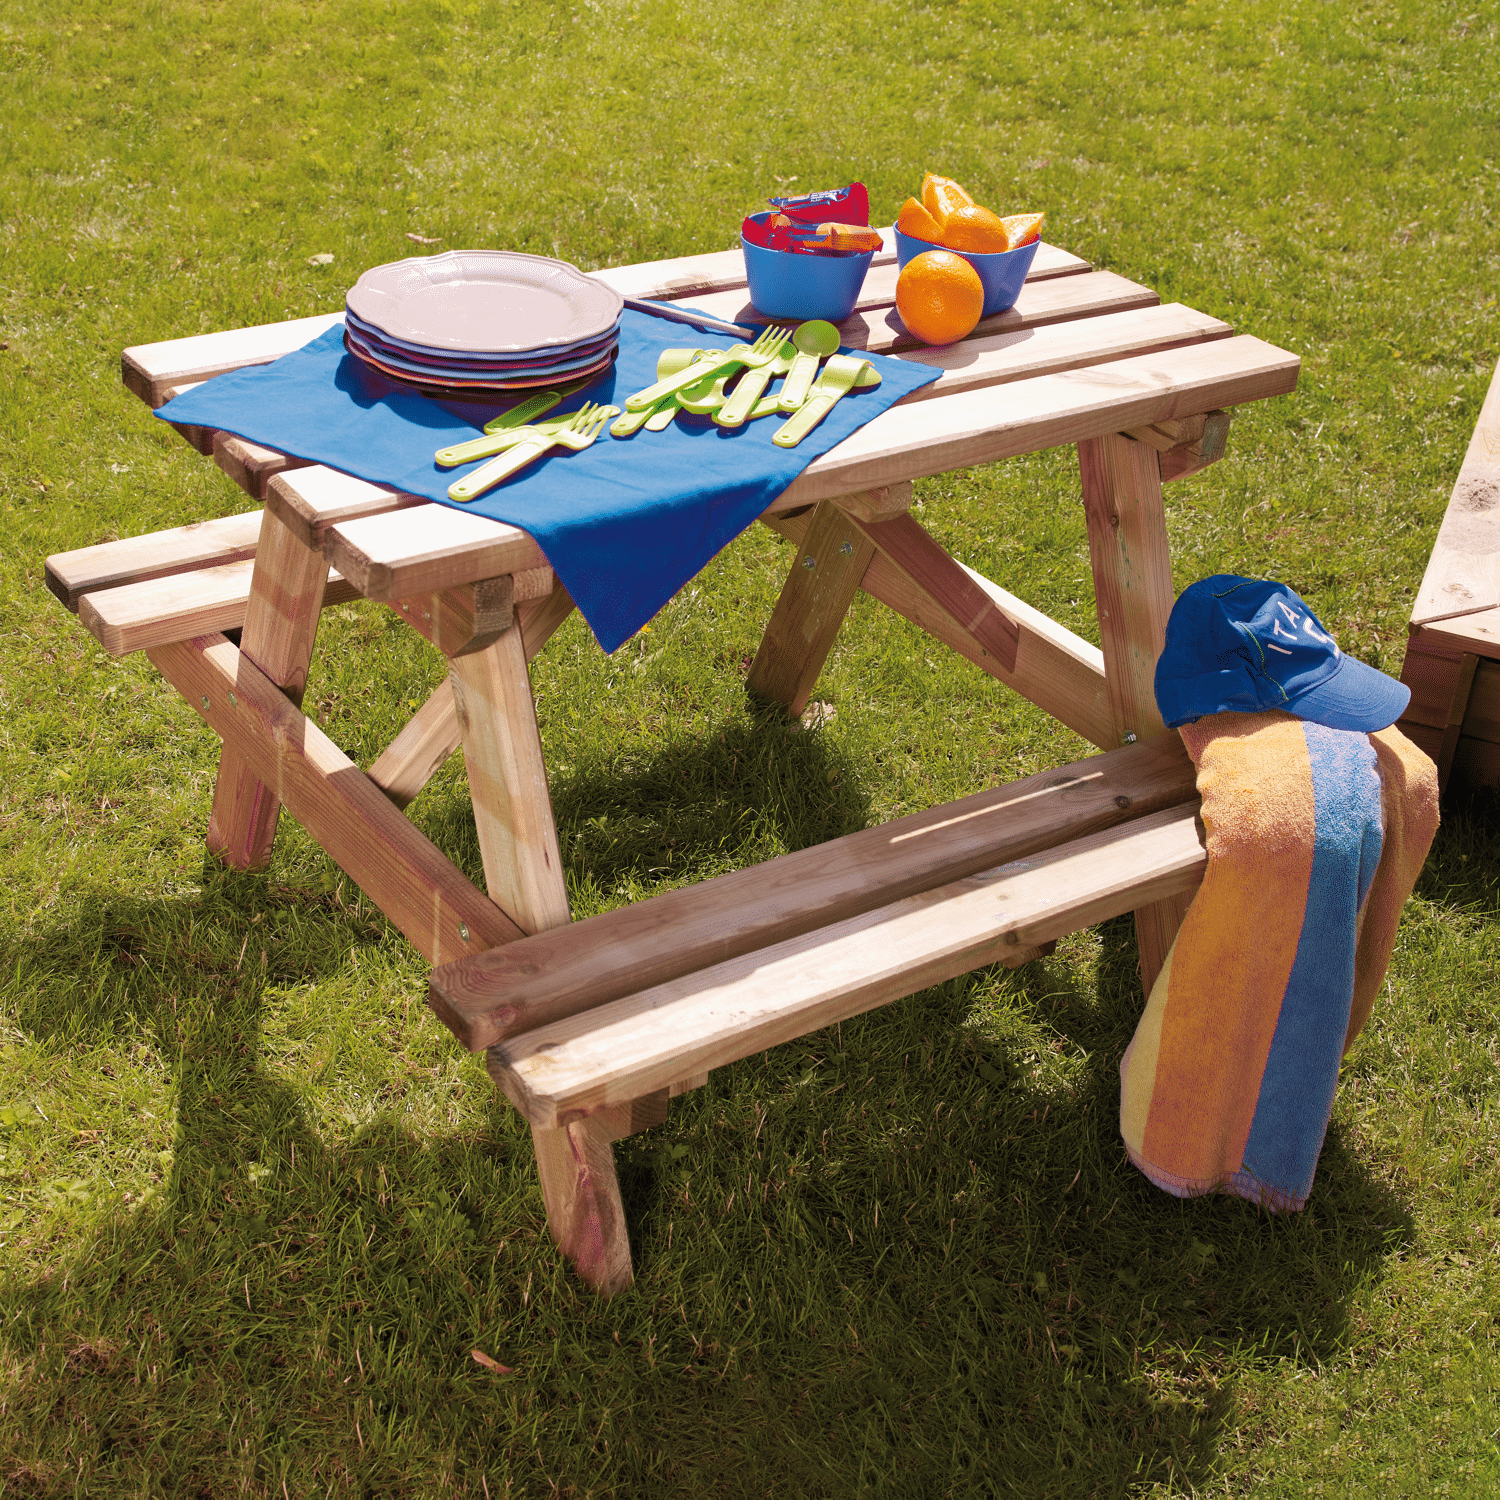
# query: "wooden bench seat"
[[1452, 663], [586, 1078]]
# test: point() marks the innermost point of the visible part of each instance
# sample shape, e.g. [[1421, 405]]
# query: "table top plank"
[[1024, 353], [154, 372], [434, 546], [427, 548], [877, 327], [312, 499], [977, 426]]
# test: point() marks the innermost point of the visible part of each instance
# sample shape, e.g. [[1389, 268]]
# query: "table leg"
[[814, 600], [286, 598], [1133, 595], [508, 783]]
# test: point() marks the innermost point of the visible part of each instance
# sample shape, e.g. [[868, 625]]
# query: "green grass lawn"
[[256, 1209]]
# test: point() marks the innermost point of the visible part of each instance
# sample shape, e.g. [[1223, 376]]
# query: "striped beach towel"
[[1315, 837]]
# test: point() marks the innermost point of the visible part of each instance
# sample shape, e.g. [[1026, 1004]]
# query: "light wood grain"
[[824, 578], [918, 557], [1132, 568], [149, 369], [422, 748], [1023, 354], [1057, 670], [508, 784], [633, 947], [469, 616], [287, 586], [880, 330], [251, 466], [155, 554], [564, 1071], [1463, 571], [180, 606], [428, 547], [1479, 633], [414, 757], [425, 549], [582, 1196], [310, 501], [982, 426], [412, 882]]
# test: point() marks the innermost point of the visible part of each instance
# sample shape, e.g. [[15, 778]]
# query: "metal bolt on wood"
[[809, 562]]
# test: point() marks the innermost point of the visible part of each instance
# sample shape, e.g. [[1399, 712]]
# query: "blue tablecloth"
[[625, 523]]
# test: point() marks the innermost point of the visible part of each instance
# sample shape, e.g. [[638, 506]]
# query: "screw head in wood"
[[463, 931], [233, 701], [205, 701], [1128, 740], [809, 562], [846, 549]]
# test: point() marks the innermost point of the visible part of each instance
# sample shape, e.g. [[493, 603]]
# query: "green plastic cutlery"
[[761, 352], [584, 426], [840, 375]]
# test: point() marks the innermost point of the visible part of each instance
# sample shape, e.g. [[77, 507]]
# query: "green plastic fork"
[[761, 352], [502, 438], [579, 433]]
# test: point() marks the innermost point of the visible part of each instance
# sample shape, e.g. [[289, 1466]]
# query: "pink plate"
[[484, 302]]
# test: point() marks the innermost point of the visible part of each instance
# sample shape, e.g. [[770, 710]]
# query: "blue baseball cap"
[[1245, 645]]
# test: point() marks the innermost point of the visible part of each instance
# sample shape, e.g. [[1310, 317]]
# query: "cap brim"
[[1354, 697]]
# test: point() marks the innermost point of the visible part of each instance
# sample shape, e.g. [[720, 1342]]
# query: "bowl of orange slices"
[[999, 248]]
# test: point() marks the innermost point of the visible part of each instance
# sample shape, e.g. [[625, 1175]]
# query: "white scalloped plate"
[[485, 302]]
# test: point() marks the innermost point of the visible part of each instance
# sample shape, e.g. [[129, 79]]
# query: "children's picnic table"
[[592, 1027]]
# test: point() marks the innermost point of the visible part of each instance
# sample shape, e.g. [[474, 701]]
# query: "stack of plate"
[[476, 321]]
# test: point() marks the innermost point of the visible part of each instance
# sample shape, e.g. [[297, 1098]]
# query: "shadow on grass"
[[901, 1256], [688, 808]]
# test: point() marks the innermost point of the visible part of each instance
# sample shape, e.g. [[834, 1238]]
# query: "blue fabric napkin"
[[624, 523]]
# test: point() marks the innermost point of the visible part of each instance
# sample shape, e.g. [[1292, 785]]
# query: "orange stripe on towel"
[[1257, 787]]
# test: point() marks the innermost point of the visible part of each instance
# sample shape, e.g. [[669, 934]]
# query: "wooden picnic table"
[[590, 1031]]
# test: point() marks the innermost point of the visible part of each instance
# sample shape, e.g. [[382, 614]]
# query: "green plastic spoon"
[[840, 375], [812, 340]]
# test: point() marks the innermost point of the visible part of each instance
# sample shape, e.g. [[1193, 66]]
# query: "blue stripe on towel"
[[1302, 1069]]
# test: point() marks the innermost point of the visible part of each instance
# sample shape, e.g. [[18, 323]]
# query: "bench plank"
[[556, 974], [1463, 572], [565, 1071], [139, 616], [156, 554]]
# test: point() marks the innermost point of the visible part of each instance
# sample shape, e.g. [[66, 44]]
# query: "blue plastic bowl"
[[783, 285], [1002, 276]]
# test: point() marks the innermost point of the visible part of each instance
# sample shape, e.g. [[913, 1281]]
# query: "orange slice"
[[1021, 229], [941, 195], [917, 222]]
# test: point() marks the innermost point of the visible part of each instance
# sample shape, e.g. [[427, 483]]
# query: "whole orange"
[[939, 296], [975, 229]]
